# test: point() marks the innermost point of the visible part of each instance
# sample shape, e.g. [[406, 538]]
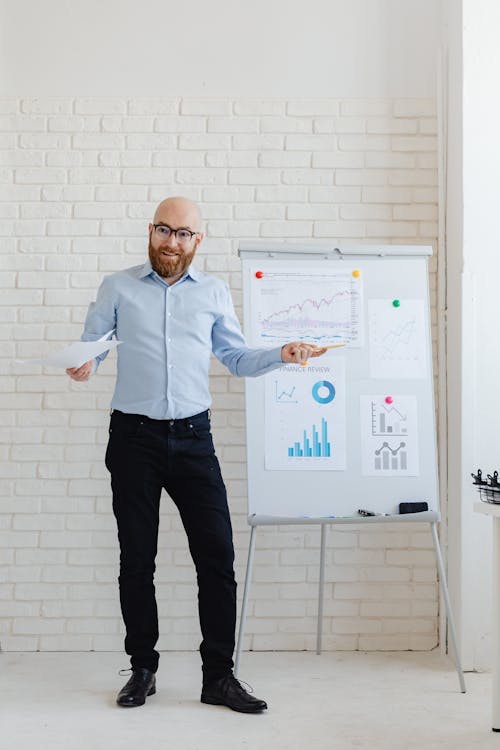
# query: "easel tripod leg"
[[248, 578], [321, 590], [449, 613]]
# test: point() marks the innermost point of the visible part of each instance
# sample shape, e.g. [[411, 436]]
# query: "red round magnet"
[[259, 274]]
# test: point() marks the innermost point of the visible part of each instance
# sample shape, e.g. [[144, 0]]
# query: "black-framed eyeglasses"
[[164, 232]]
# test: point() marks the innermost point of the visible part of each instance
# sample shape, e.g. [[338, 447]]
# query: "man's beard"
[[168, 267]]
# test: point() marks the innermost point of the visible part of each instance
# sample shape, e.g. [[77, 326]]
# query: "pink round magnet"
[[389, 399]]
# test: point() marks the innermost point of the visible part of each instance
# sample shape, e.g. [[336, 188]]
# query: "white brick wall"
[[79, 179]]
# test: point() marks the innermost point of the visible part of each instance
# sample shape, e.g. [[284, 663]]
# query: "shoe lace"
[[241, 683]]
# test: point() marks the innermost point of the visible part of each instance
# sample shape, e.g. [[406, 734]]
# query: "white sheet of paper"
[[76, 354], [300, 303], [397, 339], [389, 436]]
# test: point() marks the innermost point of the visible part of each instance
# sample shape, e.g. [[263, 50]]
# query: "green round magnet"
[[396, 303]]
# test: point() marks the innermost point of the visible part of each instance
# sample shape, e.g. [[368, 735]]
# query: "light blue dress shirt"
[[168, 333]]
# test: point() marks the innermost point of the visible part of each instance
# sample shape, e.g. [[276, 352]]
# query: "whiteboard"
[[354, 428]]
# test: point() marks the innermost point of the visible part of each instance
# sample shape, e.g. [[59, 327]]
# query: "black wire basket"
[[489, 490], [489, 494]]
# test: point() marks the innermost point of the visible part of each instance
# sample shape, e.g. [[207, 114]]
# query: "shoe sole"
[[238, 710], [134, 705]]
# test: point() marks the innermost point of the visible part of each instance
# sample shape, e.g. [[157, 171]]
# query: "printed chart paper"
[[305, 426], [389, 436], [397, 339], [320, 306]]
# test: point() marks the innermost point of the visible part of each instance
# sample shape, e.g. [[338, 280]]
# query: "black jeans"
[[143, 456]]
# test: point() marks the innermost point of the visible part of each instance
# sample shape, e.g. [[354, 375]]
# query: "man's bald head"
[[170, 256], [179, 212]]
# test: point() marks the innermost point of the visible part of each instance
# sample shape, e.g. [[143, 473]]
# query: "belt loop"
[[209, 413]]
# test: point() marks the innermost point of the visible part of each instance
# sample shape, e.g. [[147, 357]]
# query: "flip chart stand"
[[430, 517]]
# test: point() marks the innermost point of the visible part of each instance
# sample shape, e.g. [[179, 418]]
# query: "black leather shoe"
[[134, 693], [228, 691]]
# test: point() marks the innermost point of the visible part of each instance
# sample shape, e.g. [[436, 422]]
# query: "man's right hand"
[[81, 373]]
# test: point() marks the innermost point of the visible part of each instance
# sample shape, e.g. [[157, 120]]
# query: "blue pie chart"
[[318, 392]]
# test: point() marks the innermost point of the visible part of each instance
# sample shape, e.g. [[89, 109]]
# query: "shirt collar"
[[147, 270]]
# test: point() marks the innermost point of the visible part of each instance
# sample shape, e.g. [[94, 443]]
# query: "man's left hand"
[[297, 352]]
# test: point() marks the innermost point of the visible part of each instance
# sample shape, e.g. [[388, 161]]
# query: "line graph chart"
[[283, 395], [397, 339], [387, 457], [399, 342], [328, 313]]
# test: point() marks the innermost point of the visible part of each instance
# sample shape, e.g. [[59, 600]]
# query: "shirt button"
[[169, 339]]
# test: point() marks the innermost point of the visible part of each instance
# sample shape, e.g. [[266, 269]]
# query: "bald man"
[[171, 317]]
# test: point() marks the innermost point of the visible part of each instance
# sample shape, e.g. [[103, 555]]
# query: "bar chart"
[[313, 447], [395, 459], [388, 420]]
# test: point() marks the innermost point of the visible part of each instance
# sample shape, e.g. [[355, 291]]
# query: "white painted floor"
[[380, 701]]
